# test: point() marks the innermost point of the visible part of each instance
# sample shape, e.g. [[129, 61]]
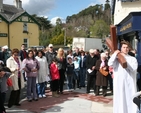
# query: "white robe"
[[124, 84], [43, 71]]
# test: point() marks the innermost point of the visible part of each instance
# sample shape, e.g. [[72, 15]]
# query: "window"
[[25, 30], [25, 42]]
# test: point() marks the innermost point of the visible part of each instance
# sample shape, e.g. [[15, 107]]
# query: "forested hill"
[[92, 22], [87, 22]]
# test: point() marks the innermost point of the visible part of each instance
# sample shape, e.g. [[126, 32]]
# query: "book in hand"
[[90, 71]]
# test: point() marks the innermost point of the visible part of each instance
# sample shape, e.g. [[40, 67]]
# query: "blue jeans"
[[41, 88], [69, 79], [76, 74], [82, 76]]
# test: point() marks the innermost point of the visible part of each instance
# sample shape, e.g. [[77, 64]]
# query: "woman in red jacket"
[[54, 77]]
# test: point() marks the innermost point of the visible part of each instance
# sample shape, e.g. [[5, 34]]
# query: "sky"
[[53, 9]]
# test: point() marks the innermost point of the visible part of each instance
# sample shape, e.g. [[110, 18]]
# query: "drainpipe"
[[8, 35]]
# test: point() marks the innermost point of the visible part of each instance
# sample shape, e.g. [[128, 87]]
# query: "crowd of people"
[[37, 67]]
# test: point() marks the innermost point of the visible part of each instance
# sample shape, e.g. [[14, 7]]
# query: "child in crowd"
[[3, 88], [76, 72], [70, 72], [54, 72]]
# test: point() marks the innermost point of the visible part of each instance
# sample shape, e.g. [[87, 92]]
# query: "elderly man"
[[50, 54], [91, 72]]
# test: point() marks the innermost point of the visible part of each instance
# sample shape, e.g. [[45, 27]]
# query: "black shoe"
[[18, 104], [104, 95], [29, 100], [9, 106], [137, 102], [61, 92], [36, 99], [88, 92]]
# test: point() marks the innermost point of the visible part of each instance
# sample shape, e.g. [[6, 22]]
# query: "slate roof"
[[11, 12]]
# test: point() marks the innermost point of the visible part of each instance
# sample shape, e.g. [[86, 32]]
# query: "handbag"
[[103, 72], [9, 82]]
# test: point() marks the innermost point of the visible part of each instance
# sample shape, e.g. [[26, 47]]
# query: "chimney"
[[18, 4], [1, 6]]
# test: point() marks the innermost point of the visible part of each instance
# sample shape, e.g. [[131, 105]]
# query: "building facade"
[[17, 26], [127, 19]]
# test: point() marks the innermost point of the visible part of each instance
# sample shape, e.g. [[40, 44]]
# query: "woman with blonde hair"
[[62, 67]]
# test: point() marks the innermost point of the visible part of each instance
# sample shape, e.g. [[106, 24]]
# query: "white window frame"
[[26, 43], [25, 27]]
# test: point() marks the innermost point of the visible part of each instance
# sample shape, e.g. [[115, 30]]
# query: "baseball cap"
[[50, 45], [5, 47]]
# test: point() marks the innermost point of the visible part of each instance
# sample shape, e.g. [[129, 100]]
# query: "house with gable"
[[127, 19], [17, 26]]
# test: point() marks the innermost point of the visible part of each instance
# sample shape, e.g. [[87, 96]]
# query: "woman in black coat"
[[62, 68]]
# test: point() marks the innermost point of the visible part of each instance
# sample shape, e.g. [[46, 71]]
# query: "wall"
[[122, 9], [17, 35], [3, 29]]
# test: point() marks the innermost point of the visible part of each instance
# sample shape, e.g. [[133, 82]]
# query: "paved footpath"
[[69, 102]]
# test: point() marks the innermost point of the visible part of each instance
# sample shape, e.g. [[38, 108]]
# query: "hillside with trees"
[[92, 22]]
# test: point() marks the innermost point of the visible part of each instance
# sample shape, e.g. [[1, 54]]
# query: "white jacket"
[[43, 71], [12, 65]]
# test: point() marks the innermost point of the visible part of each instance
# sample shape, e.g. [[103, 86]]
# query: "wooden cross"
[[112, 44]]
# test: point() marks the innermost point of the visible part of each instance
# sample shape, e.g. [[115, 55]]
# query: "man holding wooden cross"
[[124, 81]]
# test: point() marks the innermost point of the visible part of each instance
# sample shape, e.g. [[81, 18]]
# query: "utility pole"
[[64, 36]]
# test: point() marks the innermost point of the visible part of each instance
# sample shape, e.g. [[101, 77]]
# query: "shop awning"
[[131, 23]]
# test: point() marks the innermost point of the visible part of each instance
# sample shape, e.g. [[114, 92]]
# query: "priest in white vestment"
[[124, 81]]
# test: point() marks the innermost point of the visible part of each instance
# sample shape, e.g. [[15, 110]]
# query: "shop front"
[[129, 29]]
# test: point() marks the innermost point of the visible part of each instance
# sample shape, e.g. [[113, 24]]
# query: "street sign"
[[3, 35]]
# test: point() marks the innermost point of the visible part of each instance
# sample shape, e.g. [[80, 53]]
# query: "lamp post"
[[64, 36]]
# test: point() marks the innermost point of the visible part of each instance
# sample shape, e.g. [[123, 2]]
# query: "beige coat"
[[12, 65]]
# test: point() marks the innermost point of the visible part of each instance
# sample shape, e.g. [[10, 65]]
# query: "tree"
[[100, 29]]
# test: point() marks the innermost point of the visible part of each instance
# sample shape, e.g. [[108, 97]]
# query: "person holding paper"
[[14, 64], [91, 72], [124, 81]]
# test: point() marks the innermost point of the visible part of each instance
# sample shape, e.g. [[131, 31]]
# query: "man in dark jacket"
[[50, 54], [77, 52], [22, 53], [91, 72]]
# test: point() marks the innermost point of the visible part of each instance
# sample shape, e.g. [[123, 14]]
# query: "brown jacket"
[[101, 80]]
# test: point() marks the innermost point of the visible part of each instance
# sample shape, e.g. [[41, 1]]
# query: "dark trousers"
[[55, 84], [31, 87], [104, 90], [139, 79], [110, 82], [62, 78], [91, 79], [2, 100], [76, 78], [15, 95]]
